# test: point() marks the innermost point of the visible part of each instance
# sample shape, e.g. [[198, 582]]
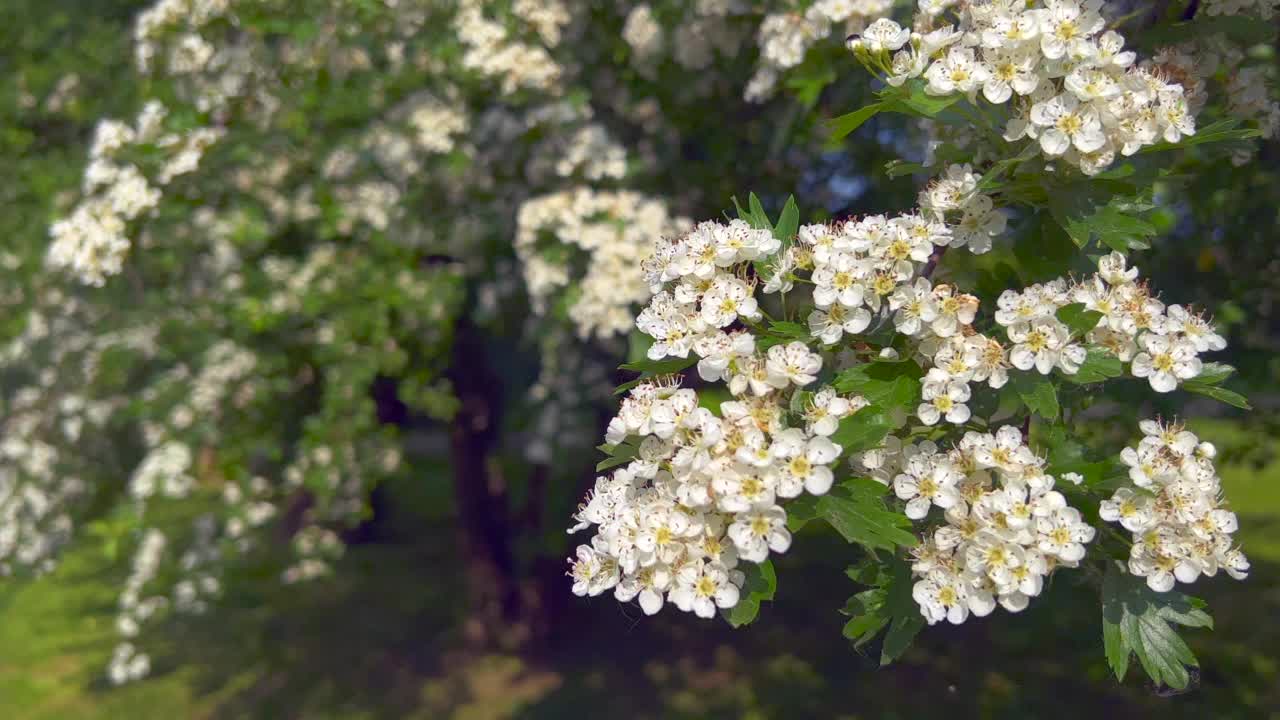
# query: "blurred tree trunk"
[[484, 525]]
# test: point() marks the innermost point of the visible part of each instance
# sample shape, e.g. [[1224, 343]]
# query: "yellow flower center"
[[705, 587], [1070, 123], [883, 284], [928, 487]]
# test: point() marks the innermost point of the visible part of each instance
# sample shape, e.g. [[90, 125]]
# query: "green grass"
[[56, 636]]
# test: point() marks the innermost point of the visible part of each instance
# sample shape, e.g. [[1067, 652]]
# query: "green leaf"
[[711, 397], [1137, 621], [799, 399], [888, 385], [847, 123], [867, 616], [760, 584], [1101, 209], [856, 509], [907, 619], [1121, 232], [898, 168], [911, 99], [807, 85], [624, 387], [998, 279], [992, 178], [756, 217], [652, 368], [887, 603], [1113, 645], [619, 454], [1079, 318], [1037, 392], [788, 221], [1221, 131], [1213, 373], [1207, 383], [757, 212], [1060, 444], [1098, 366], [1043, 249], [801, 511], [660, 367], [790, 330], [863, 430], [783, 331], [1220, 394], [1095, 474]]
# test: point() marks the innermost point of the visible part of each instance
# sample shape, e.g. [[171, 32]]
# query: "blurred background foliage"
[[396, 631]]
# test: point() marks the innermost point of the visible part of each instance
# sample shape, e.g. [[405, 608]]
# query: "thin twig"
[[929, 267]]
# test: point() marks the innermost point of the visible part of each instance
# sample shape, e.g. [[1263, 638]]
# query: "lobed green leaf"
[[1037, 392], [759, 586], [1138, 621]]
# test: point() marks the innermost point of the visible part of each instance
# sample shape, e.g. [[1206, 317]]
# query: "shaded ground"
[[380, 641]]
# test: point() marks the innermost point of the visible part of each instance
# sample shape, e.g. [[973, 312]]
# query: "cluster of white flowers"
[[1265, 9], [1250, 96], [614, 229], [1181, 529], [212, 62], [315, 547], [373, 203], [37, 492], [785, 37], [127, 663], [704, 492], [1005, 528], [1204, 61], [435, 123], [34, 521], [643, 33], [702, 485], [251, 507], [1070, 86], [954, 199], [227, 371], [860, 269], [164, 471], [192, 51], [198, 564], [92, 240], [547, 17], [594, 154], [564, 398], [708, 297], [1161, 343], [493, 53], [138, 603]]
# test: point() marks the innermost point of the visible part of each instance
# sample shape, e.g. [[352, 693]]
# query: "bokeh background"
[[452, 602]]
